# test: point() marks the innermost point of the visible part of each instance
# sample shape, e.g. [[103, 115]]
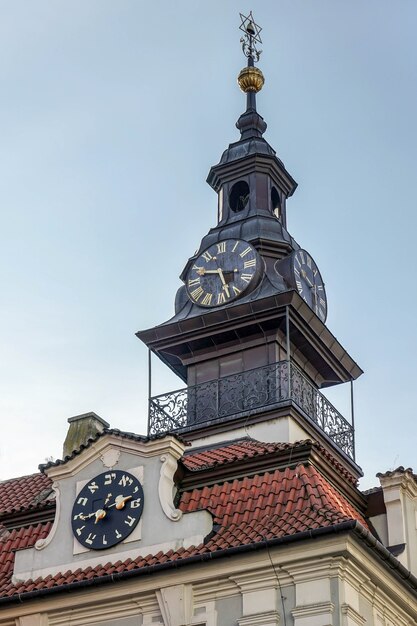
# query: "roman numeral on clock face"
[[194, 281], [223, 272], [206, 256], [246, 251], [207, 299], [197, 293]]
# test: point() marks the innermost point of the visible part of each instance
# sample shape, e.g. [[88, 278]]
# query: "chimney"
[[81, 429]]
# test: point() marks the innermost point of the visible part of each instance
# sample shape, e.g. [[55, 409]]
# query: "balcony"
[[247, 393]]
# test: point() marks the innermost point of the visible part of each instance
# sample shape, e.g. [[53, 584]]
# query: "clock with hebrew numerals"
[[225, 271], [107, 509]]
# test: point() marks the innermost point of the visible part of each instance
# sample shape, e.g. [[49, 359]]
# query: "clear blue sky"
[[111, 115]]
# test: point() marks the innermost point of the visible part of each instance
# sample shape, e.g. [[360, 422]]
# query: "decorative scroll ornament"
[[166, 487], [251, 36], [43, 543]]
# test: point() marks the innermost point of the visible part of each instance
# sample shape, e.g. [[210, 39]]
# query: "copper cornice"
[[256, 162], [165, 339]]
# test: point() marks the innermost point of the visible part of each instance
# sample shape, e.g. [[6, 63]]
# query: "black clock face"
[[309, 283], [107, 509], [223, 272]]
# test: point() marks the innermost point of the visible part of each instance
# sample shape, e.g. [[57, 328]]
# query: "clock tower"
[[248, 337]]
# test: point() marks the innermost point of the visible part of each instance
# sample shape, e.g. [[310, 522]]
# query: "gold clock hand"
[[85, 517], [306, 278], [100, 514], [120, 502], [202, 270], [220, 272], [225, 285]]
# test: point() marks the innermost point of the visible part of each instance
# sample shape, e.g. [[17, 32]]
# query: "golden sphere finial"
[[251, 79]]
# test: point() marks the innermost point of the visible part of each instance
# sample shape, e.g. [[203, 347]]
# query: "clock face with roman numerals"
[[107, 509], [225, 271], [309, 283]]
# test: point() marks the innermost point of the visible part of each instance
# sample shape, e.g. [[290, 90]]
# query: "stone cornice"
[[260, 619], [310, 610], [398, 480], [352, 615], [262, 580]]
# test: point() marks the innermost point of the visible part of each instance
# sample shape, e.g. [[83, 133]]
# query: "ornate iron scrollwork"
[[243, 393]]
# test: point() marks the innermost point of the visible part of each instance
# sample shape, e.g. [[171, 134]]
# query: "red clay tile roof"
[[246, 511], [27, 492], [231, 452], [17, 539], [275, 504], [248, 448]]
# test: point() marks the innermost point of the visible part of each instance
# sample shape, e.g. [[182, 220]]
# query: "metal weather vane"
[[251, 36]]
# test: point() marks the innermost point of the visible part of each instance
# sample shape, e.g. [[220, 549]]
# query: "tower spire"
[[250, 78]]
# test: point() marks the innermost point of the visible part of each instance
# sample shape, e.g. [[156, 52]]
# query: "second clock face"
[[309, 283], [107, 509], [223, 272]]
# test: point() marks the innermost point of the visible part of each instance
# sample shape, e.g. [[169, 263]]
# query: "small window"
[[276, 203], [239, 196]]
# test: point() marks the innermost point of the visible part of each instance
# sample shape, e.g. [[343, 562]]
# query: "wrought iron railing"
[[245, 393]]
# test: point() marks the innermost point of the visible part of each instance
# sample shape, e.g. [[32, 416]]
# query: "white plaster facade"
[[333, 581], [162, 526], [400, 521]]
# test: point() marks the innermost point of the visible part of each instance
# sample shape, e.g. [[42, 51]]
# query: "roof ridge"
[[201, 459], [332, 492], [109, 431], [8, 480], [219, 444]]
